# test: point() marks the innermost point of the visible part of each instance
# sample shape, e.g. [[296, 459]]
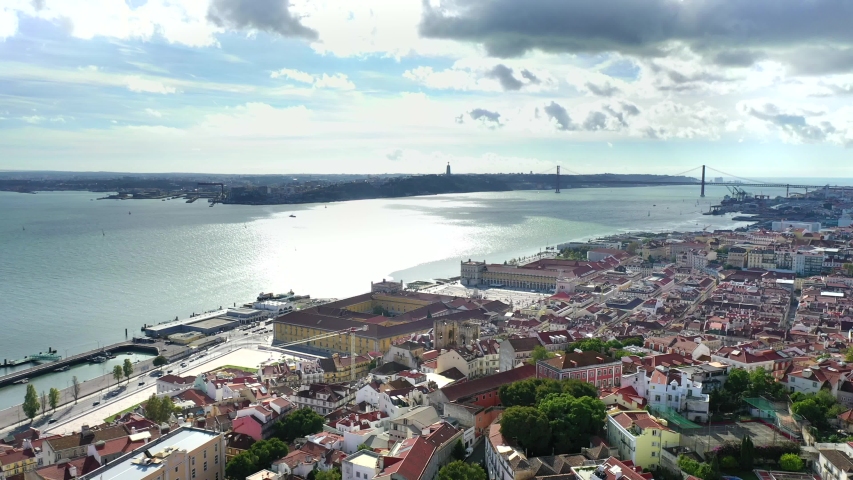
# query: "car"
[[52, 420], [169, 371], [184, 364], [96, 404], [142, 383]]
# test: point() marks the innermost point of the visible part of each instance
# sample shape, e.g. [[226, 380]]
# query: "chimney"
[[72, 471]]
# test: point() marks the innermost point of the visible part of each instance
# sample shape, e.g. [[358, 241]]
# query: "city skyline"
[[760, 90]]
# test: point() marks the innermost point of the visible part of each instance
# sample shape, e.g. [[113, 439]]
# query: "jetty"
[[58, 364], [50, 356]]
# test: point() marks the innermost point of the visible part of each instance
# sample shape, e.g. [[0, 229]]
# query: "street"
[[71, 417]]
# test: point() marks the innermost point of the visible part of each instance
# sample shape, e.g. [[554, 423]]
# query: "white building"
[[361, 465], [835, 461], [671, 389], [783, 225]]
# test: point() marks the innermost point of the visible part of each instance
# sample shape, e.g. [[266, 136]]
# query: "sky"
[[758, 88]]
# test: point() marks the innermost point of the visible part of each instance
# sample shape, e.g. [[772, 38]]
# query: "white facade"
[[361, 465]]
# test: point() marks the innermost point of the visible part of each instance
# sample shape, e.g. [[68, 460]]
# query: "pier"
[[53, 366]]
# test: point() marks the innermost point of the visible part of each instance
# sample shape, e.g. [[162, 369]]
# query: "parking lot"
[[518, 298]]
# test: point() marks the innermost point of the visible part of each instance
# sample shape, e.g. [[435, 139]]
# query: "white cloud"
[[8, 23], [153, 113], [177, 21], [291, 74], [139, 84], [338, 81], [33, 119]]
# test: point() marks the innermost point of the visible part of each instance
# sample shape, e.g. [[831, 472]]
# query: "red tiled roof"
[[489, 383]]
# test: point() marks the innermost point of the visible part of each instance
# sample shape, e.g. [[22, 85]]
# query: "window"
[[657, 398], [216, 459], [215, 447], [193, 473], [654, 454], [205, 454], [193, 461], [205, 466]]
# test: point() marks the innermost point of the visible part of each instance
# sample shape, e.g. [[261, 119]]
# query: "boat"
[[98, 359], [292, 216], [23, 380], [62, 369]]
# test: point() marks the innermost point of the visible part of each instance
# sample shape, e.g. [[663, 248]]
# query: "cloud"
[[8, 23], [485, 117], [595, 121], [272, 16], [338, 81], [530, 77], [153, 113], [139, 84], [604, 90], [795, 124], [737, 57], [508, 28], [394, 155], [503, 74], [293, 75], [33, 119], [558, 113]]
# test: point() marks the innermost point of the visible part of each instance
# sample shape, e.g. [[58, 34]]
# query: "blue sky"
[[378, 86]]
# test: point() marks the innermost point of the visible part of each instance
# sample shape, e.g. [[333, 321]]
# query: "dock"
[[73, 360], [50, 356]]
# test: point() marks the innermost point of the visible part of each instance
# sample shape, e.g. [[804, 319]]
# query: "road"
[[85, 412]]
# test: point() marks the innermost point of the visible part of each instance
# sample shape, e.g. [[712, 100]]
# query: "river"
[[75, 272]]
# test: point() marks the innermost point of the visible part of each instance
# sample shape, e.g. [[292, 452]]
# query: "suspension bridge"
[[578, 179]]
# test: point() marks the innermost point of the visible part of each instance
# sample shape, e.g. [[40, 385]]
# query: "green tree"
[[633, 247], [298, 424], [539, 353], [43, 402], [791, 462], [634, 341], [328, 475], [529, 427], [160, 360], [241, 466], [458, 451], [54, 398], [729, 463], [811, 411], [31, 402], [268, 451], [738, 382], [747, 453], [572, 420], [152, 408], [363, 446], [127, 369], [118, 373], [75, 388], [587, 345], [460, 470], [518, 394], [579, 388]]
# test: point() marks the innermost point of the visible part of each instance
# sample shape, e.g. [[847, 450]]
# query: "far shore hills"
[[313, 188]]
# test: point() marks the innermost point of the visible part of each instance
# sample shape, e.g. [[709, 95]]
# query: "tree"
[[729, 463], [31, 402], [579, 388], [363, 446], [539, 353], [572, 420], [268, 451], [160, 410], [298, 424], [633, 247], [160, 360], [747, 453], [152, 408], [127, 369], [460, 470], [738, 382], [811, 411], [587, 345], [54, 398], [43, 402], [328, 475], [241, 466], [458, 451], [791, 462], [118, 373], [529, 427], [75, 388]]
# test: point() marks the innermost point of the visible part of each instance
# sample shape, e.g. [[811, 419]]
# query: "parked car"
[[142, 382], [96, 404], [52, 420]]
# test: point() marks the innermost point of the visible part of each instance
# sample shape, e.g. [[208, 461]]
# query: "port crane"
[[221, 186], [347, 331]]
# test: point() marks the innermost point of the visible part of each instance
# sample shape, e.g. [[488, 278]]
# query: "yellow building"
[[640, 437], [17, 462], [379, 320], [337, 368], [186, 453]]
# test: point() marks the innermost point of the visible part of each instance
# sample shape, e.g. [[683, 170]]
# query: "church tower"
[[448, 169]]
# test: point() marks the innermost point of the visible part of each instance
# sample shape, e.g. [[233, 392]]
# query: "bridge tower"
[[558, 180], [702, 194]]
